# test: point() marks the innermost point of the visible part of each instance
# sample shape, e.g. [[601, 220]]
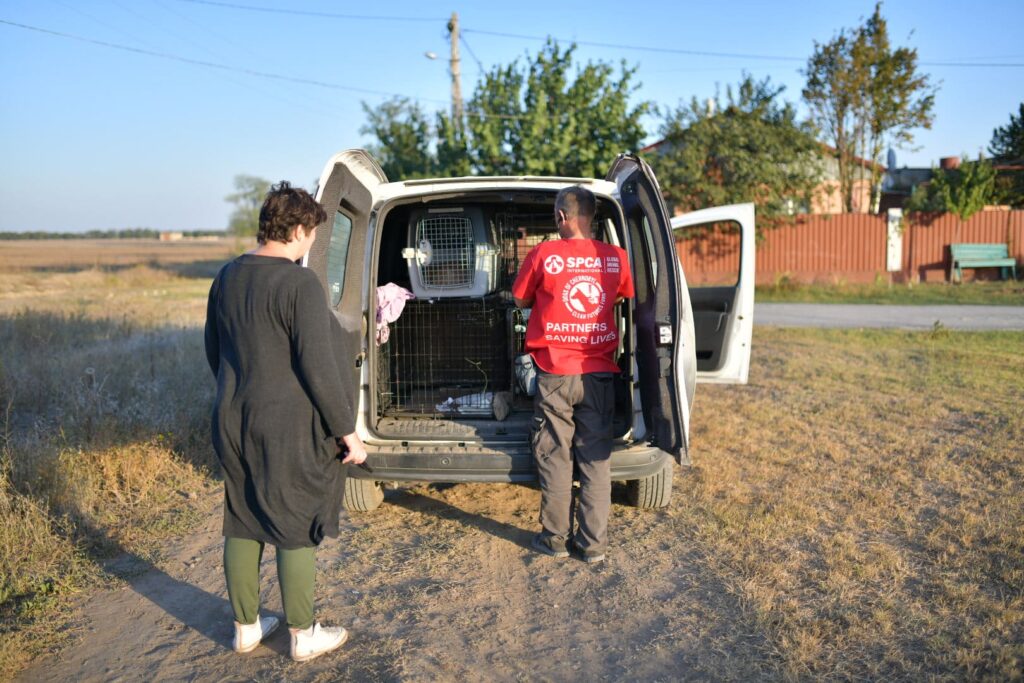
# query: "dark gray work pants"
[[573, 420]]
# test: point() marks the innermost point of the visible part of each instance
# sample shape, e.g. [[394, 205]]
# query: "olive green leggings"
[[295, 571]]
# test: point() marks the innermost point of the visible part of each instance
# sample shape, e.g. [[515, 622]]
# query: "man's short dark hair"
[[285, 208], [576, 201]]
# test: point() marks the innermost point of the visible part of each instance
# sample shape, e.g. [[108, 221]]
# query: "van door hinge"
[[664, 334]]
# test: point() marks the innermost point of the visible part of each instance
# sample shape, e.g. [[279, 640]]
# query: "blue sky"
[[98, 137]]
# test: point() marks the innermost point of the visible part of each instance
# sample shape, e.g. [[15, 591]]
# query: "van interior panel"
[[447, 368]]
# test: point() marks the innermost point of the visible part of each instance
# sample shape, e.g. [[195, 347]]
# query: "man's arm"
[[525, 287]]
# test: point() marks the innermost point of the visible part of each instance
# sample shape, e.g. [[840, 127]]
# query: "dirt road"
[[438, 584]]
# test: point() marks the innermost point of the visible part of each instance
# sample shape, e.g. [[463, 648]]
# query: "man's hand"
[[355, 450]]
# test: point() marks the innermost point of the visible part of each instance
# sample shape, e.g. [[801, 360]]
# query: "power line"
[[640, 48], [215, 65], [472, 54], [701, 53], [588, 43], [249, 72], [307, 13]]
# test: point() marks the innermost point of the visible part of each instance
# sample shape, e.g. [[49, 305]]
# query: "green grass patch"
[[985, 293]]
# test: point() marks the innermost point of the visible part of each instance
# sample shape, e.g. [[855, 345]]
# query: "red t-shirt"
[[574, 284]]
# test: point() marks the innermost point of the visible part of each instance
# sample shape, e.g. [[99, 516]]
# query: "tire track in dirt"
[[438, 584]]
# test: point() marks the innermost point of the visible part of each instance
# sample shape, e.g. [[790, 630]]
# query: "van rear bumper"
[[456, 463]]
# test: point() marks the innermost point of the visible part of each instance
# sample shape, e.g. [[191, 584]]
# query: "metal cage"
[[445, 358]]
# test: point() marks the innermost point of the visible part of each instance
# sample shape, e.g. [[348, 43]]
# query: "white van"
[[439, 400]]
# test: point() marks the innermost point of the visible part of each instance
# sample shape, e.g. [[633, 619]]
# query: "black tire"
[[362, 495], [654, 491]]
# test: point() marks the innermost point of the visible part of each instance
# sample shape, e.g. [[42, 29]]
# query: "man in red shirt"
[[573, 285]]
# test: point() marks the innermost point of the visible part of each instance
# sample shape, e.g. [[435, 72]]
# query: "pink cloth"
[[390, 303]]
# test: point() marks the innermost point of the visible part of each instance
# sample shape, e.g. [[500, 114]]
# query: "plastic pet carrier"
[[452, 253]]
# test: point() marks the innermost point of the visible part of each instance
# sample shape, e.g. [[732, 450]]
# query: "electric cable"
[[250, 72], [214, 65], [472, 54], [307, 13], [703, 53]]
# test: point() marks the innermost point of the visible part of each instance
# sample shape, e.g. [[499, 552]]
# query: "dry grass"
[[106, 395], [863, 499], [856, 511], [74, 255]]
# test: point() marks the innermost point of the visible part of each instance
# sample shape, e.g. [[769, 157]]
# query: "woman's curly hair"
[[285, 208]]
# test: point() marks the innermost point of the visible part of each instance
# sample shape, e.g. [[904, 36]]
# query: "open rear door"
[[665, 357], [346, 191], [723, 311]]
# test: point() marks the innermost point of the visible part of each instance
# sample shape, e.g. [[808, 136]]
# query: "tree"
[[963, 191], [747, 147], [540, 119], [545, 116], [245, 219], [404, 136], [1008, 141], [866, 96], [1007, 147]]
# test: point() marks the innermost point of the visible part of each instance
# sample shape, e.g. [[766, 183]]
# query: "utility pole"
[[453, 37]]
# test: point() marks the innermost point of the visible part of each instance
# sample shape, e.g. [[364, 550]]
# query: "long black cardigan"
[[285, 390]]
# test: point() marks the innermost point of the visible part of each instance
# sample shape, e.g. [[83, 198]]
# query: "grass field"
[[194, 257], [103, 442], [861, 500], [1006, 293]]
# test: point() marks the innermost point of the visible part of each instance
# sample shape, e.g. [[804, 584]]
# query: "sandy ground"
[[438, 584]]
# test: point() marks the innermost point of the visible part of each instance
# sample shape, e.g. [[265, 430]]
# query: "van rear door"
[[665, 356], [723, 309], [347, 192]]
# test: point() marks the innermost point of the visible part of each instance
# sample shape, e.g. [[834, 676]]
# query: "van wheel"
[[654, 491], [362, 495]]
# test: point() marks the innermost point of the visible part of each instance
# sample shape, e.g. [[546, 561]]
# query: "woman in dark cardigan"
[[284, 416]]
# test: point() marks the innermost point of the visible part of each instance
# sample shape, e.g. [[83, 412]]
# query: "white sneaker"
[[248, 636], [316, 640]]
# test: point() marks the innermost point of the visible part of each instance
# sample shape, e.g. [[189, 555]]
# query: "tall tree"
[[746, 147], [866, 96], [1008, 141], [403, 134], [1007, 147], [404, 138], [544, 116], [248, 198], [550, 117]]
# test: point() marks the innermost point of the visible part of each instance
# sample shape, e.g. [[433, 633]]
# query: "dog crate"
[[452, 253], [518, 233], [452, 351], [446, 358]]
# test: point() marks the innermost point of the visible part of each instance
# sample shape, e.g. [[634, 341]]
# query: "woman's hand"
[[355, 450]]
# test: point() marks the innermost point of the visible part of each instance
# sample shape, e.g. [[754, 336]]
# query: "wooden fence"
[[853, 248]]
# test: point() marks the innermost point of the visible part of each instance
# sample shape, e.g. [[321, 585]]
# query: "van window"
[[337, 255], [710, 253]]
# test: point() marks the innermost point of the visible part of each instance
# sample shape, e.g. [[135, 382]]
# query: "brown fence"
[[926, 241], [851, 248]]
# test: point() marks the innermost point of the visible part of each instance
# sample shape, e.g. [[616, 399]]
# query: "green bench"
[[980, 256]]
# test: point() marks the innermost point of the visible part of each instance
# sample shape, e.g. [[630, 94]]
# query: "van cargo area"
[[447, 369]]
